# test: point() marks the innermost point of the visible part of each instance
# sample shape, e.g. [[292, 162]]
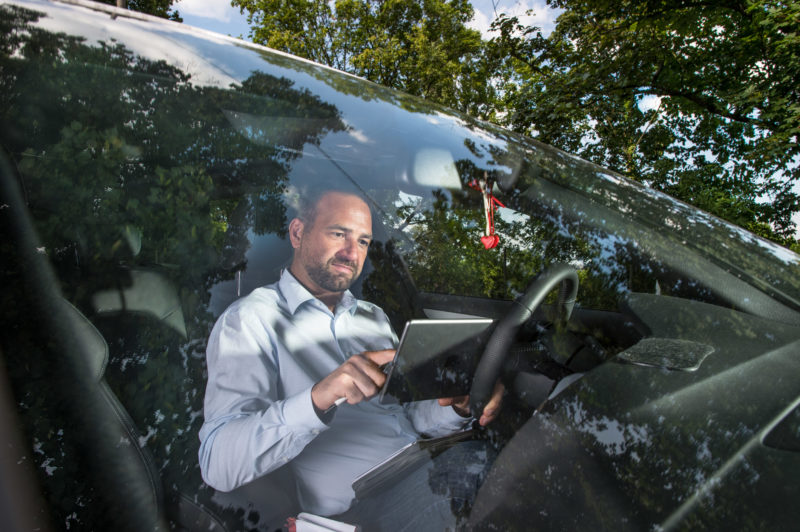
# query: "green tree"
[[159, 8], [721, 78], [127, 164], [423, 48]]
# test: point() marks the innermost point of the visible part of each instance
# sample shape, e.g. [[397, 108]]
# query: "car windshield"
[[238, 124], [161, 166]]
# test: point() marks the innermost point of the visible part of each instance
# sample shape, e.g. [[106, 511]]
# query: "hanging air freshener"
[[490, 203]]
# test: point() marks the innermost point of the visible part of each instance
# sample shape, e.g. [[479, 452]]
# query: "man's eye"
[[364, 243]]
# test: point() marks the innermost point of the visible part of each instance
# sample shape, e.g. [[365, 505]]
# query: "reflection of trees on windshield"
[[444, 253], [128, 168], [448, 257], [353, 86], [642, 213]]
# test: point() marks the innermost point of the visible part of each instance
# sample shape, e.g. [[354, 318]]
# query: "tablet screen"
[[436, 358]]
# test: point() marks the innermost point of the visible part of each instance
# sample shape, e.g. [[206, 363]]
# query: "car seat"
[[180, 509], [57, 359], [142, 317]]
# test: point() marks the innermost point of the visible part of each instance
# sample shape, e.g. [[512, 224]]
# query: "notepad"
[[404, 461]]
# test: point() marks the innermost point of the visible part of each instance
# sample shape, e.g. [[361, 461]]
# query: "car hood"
[[674, 432]]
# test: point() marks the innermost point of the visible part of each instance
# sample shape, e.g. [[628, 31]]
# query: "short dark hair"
[[310, 198]]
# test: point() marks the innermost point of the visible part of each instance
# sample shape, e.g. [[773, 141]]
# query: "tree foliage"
[[697, 99], [721, 80], [158, 8], [128, 165], [423, 48]]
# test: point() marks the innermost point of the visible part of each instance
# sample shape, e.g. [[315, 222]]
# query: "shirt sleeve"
[[431, 419], [248, 431]]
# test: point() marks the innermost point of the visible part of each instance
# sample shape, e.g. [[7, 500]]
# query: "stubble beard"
[[328, 279]]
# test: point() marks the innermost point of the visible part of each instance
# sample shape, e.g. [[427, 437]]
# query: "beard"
[[331, 280]]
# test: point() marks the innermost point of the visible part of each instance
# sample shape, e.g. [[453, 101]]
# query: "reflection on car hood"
[[637, 447]]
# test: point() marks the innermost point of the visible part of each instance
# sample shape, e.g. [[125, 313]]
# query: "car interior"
[[141, 313], [104, 345], [135, 328]]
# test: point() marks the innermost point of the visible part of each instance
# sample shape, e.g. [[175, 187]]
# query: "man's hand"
[[359, 378], [490, 411]]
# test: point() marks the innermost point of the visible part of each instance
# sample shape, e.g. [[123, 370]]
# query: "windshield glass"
[[236, 126], [162, 166]]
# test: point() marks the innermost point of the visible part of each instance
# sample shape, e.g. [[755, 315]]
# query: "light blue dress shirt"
[[264, 354]]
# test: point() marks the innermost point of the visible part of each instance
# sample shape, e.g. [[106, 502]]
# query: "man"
[[280, 358]]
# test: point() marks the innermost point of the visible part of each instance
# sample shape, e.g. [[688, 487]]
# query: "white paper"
[[314, 523]]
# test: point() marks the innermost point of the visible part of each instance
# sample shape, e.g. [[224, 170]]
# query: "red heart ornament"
[[490, 241]]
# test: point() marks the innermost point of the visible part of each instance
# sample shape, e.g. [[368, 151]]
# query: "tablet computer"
[[436, 358]]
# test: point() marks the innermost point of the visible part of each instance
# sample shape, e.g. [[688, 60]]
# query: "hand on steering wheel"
[[492, 409], [497, 348]]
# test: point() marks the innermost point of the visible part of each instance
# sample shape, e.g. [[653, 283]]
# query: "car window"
[[146, 190], [161, 169]]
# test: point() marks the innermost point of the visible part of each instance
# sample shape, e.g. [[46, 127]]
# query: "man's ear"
[[296, 227]]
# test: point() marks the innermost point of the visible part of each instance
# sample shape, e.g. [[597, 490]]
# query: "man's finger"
[[357, 379], [380, 357], [365, 364], [461, 400], [492, 408], [363, 374], [497, 395], [460, 404]]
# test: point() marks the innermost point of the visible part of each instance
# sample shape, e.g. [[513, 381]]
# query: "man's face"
[[330, 253]]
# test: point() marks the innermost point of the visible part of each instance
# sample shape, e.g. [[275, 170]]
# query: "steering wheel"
[[497, 348]]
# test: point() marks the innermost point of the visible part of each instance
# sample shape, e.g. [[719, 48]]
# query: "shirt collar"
[[296, 294]]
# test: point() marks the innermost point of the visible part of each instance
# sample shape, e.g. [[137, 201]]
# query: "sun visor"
[[435, 168], [280, 132]]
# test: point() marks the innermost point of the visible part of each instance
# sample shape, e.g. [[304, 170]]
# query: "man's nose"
[[350, 249]]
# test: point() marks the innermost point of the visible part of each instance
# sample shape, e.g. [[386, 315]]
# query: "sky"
[[219, 16]]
